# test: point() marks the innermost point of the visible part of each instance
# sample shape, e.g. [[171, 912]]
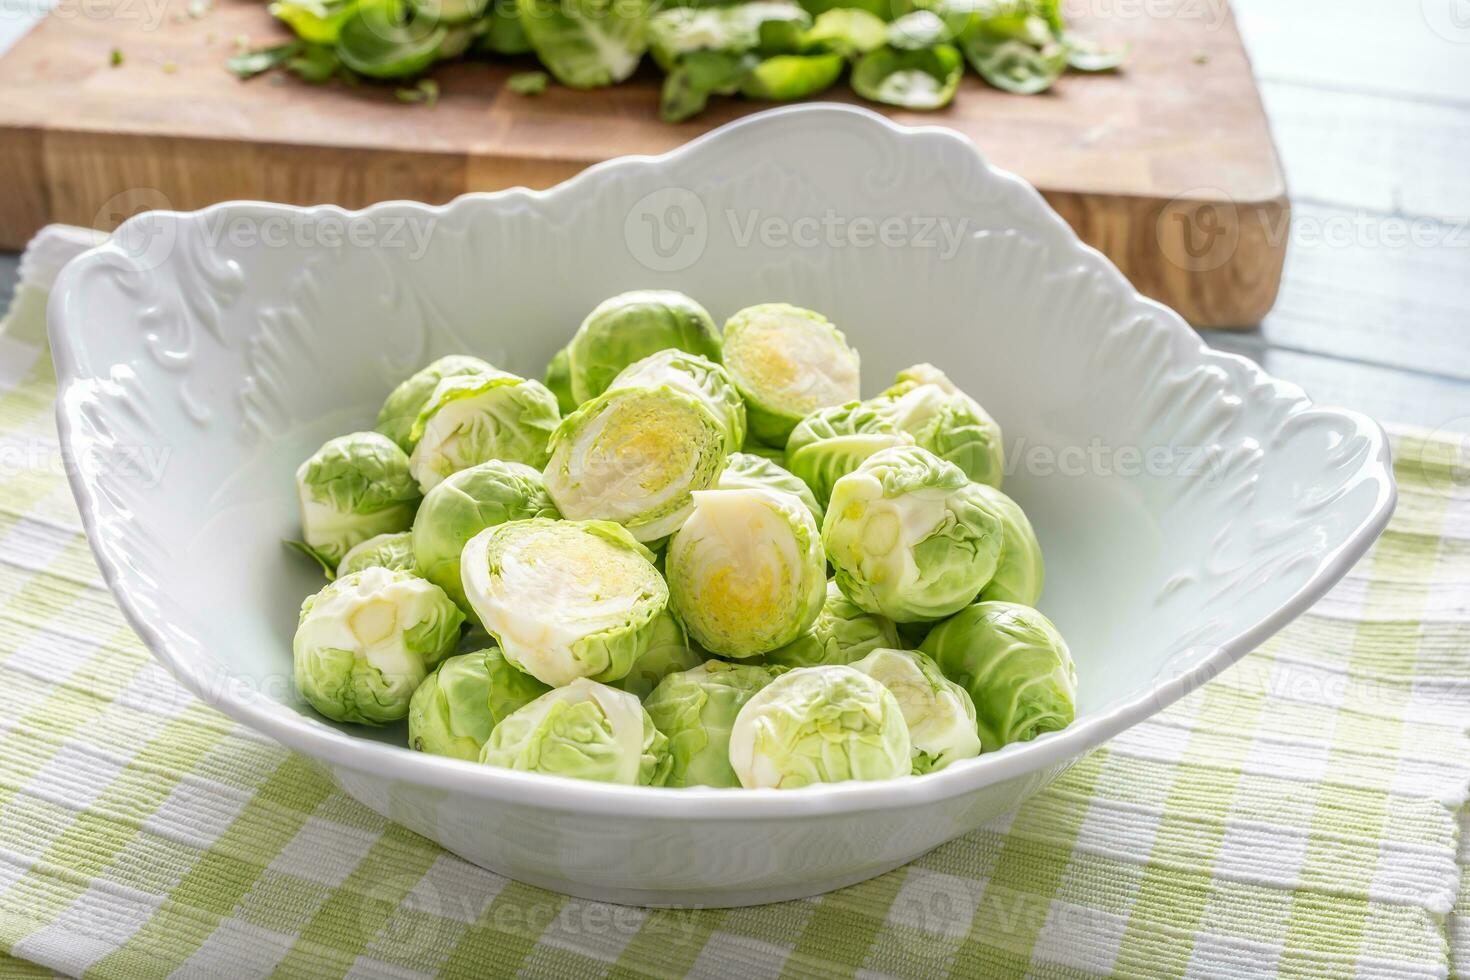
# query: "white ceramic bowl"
[[1188, 504]]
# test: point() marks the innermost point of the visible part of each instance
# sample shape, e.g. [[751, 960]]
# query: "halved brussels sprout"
[[910, 537], [1015, 665], [923, 79], [696, 709], [819, 725], [939, 713], [586, 43], [559, 381], [842, 634], [791, 76], [678, 31], [390, 551], [787, 362], [694, 375], [629, 327], [584, 730], [459, 704], [470, 419], [366, 641], [830, 443], [944, 420], [747, 471], [402, 407], [465, 504], [745, 571], [353, 488], [668, 653], [1020, 572], [633, 455], [385, 39], [565, 599]]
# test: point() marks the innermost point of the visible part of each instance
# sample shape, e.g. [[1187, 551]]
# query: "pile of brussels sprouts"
[[635, 555], [908, 53]]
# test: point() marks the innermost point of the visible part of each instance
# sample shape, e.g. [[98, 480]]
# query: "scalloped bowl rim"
[[1054, 749]]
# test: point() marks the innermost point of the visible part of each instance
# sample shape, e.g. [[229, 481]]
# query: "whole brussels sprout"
[[565, 599], [939, 713], [830, 443], [693, 375], [629, 327], [586, 43], [465, 504], [456, 707], [366, 642], [1015, 665], [392, 551], [747, 471], [1020, 572], [633, 455], [584, 730], [401, 409], [944, 420], [353, 488], [787, 362], [470, 419], [910, 537], [668, 653], [819, 725], [842, 634], [559, 381], [745, 571], [696, 709]]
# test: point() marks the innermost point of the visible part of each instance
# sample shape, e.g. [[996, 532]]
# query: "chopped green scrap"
[[528, 82]]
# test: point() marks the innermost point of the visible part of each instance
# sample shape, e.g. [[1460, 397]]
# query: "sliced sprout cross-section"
[[631, 326], [696, 709], [819, 725], [787, 362], [366, 641], [459, 704], [746, 572], [353, 488], [565, 599], [584, 730], [470, 419], [694, 375], [843, 633], [747, 471], [939, 713]]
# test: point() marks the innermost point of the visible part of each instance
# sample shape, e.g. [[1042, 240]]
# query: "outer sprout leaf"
[[792, 76], [1015, 66], [382, 39], [924, 79], [848, 31], [586, 43]]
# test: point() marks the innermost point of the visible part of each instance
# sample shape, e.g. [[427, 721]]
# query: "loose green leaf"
[[924, 79], [1015, 66], [792, 76], [328, 568], [385, 39], [248, 64], [848, 32], [528, 82], [1085, 54], [587, 43], [317, 64], [918, 30], [313, 21]]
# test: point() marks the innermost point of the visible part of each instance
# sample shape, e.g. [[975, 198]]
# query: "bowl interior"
[[1181, 498]]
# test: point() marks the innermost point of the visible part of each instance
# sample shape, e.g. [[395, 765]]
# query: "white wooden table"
[[1370, 105]]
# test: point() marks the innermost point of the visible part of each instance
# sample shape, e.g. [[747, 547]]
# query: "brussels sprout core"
[[787, 362], [819, 725], [939, 713], [565, 599], [745, 572], [354, 488]]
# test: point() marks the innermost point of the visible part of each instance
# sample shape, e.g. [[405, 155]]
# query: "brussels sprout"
[[694, 375], [401, 409], [633, 455], [819, 725], [696, 710], [923, 79], [565, 599], [787, 362], [559, 381], [1015, 665], [629, 327], [678, 31], [1020, 572], [842, 634], [465, 504], [353, 488], [791, 76], [668, 653], [939, 713], [745, 571], [584, 730], [944, 420], [910, 537], [366, 642], [456, 707], [746, 471], [586, 43], [383, 39], [473, 418], [391, 551], [830, 443]]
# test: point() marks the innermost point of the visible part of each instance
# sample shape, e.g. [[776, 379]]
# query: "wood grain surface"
[[1167, 167]]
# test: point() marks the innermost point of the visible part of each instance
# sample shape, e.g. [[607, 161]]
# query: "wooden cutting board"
[[1167, 167]]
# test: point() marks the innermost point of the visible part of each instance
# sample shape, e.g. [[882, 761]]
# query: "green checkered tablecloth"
[[1299, 815]]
